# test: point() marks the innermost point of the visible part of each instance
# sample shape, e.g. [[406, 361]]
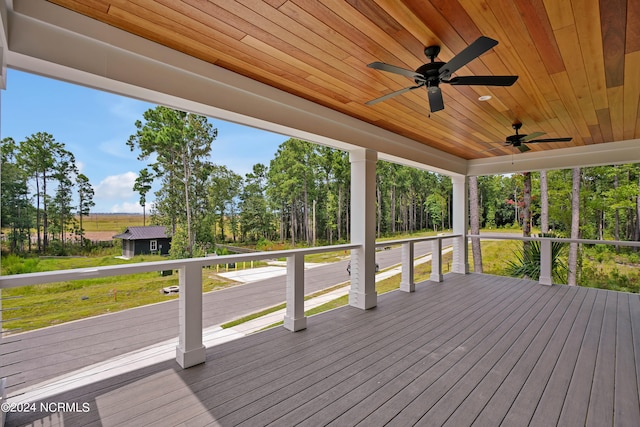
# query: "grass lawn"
[[112, 222], [44, 305]]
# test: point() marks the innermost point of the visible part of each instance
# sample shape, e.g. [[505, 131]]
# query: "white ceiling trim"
[[613, 153]]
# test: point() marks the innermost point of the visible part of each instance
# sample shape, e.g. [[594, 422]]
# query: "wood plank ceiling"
[[578, 61]]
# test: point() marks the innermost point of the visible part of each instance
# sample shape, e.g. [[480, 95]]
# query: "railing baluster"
[[436, 261], [190, 350], [407, 282], [545, 262], [294, 319]]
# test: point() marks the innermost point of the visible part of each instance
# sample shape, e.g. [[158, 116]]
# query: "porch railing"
[[407, 279], [545, 249], [190, 350]]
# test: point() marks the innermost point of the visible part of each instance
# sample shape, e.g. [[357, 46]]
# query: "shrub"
[[527, 263]]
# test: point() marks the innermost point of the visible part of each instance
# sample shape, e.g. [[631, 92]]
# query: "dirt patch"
[[100, 236]]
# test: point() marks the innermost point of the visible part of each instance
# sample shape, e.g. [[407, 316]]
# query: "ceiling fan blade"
[[531, 136], [483, 80], [551, 140], [468, 54], [523, 148], [436, 102], [396, 70], [392, 94]]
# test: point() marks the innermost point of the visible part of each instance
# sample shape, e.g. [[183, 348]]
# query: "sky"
[[95, 127]]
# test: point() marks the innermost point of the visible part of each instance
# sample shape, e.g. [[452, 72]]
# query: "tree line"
[[301, 197], [38, 183]]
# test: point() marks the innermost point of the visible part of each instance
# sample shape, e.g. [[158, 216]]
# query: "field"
[[102, 227], [33, 307]]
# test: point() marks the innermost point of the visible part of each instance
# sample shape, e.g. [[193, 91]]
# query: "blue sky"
[[95, 127]]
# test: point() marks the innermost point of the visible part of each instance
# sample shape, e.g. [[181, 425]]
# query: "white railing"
[[190, 350], [545, 248], [407, 283]]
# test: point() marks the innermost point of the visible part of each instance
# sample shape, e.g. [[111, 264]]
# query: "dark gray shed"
[[151, 239]]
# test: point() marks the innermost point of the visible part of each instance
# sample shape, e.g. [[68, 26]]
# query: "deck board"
[[602, 388], [539, 354], [626, 390], [474, 349], [550, 378]]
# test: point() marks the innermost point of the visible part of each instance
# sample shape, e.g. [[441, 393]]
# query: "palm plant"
[[527, 262]]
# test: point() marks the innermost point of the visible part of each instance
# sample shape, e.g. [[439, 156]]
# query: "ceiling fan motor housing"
[[430, 73], [515, 139]]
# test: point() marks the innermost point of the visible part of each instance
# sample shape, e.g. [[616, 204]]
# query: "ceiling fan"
[[431, 74], [518, 140]]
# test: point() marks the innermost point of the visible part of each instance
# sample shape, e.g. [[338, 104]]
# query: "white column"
[[436, 261], [190, 350], [460, 223], [406, 283], [545, 262], [294, 319], [363, 228]]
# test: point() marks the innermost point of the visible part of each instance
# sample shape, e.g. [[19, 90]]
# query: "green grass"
[[252, 316], [115, 222], [39, 306]]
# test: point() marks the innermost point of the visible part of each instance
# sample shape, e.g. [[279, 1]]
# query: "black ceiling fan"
[[518, 140], [431, 74]]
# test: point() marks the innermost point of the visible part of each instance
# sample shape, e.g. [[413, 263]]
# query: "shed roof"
[[142, 233]]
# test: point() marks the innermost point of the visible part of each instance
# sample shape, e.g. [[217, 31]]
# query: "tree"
[[291, 180], [474, 206], [255, 218], [544, 202], [36, 156], [224, 189], [526, 207], [65, 171], [575, 228], [16, 211], [180, 143], [143, 185], [85, 200]]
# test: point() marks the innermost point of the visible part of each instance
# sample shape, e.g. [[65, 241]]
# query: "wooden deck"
[[473, 350]]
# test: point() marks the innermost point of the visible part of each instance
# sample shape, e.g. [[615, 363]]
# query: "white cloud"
[[117, 148], [128, 109], [116, 187], [126, 207]]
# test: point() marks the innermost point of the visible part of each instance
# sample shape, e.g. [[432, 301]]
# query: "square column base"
[[407, 287], [295, 324], [362, 300], [187, 359], [435, 277]]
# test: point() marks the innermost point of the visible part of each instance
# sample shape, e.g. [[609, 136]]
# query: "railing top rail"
[[16, 280], [416, 239], [555, 239]]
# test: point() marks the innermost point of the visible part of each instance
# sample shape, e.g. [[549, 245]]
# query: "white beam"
[[3, 44], [460, 225], [613, 153], [363, 228], [294, 318], [190, 350]]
